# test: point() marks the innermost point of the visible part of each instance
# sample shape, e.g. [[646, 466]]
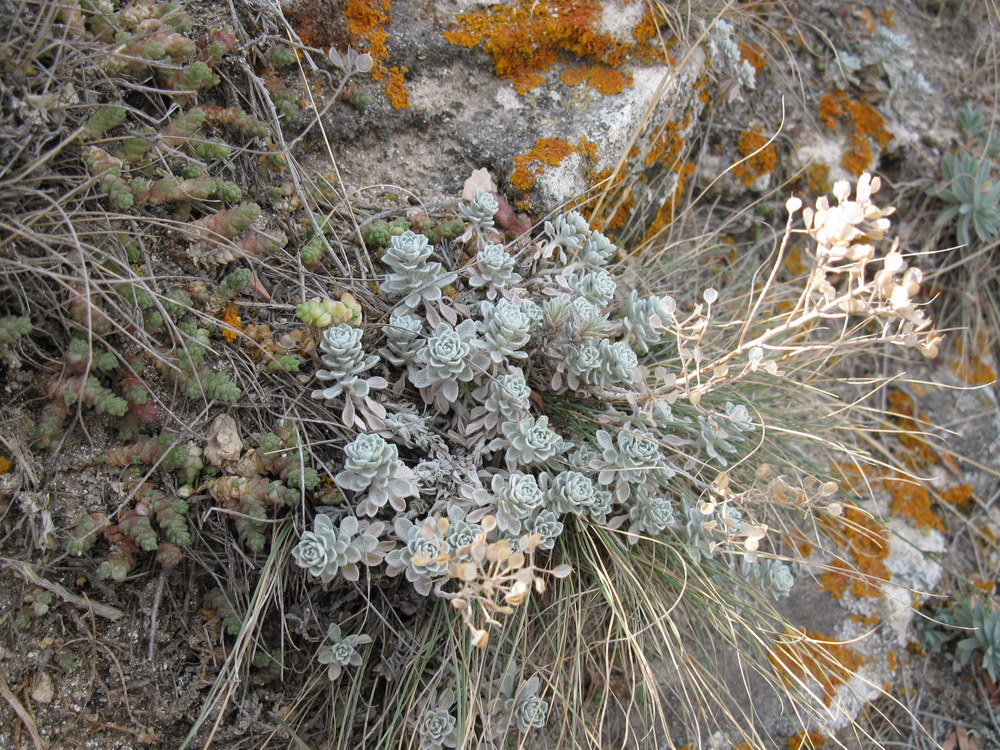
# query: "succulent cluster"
[[463, 474]]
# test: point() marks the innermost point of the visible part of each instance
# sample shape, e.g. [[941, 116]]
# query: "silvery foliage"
[[717, 433], [513, 498], [483, 362], [481, 209], [596, 287], [727, 52], [413, 277], [346, 361], [506, 330], [644, 319], [341, 651], [436, 728], [494, 269], [450, 355], [772, 576], [567, 233], [526, 709], [327, 551], [891, 54], [373, 465], [461, 533], [574, 492], [529, 441], [547, 525], [402, 339], [603, 364], [630, 460], [597, 250], [419, 556], [505, 397], [649, 516]]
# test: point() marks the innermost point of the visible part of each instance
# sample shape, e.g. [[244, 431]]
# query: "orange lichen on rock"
[[759, 156], [969, 367], [865, 542], [528, 167], [525, 39], [814, 655], [753, 54], [960, 495], [891, 661], [367, 21], [670, 203], [911, 423], [911, 499], [5, 465], [864, 122], [395, 91], [806, 741]]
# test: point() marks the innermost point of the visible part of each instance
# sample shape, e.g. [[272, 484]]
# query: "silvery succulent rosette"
[[372, 466], [341, 651]]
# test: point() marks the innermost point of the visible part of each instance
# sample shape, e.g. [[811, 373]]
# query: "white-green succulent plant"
[[547, 525], [372, 466], [451, 355], [597, 250], [436, 729], [419, 557], [629, 460], [529, 441], [503, 398], [646, 319], [414, 276], [402, 339], [506, 330], [328, 551], [481, 209], [514, 498], [526, 709], [345, 362], [341, 651], [494, 269], [648, 516], [597, 287]]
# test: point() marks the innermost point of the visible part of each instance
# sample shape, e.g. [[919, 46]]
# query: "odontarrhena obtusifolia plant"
[[473, 466]]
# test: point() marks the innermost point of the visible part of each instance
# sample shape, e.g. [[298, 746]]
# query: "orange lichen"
[[665, 214], [759, 156], [969, 367], [5, 465], [891, 661], [818, 179], [367, 21], [866, 620], [865, 542], [232, 320], [865, 124], [395, 91], [911, 499], [525, 39], [814, 655], [960, 495], [753, 54], [806, 741], [982, 584], [602, 78], [794, 262], [528, 167]]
